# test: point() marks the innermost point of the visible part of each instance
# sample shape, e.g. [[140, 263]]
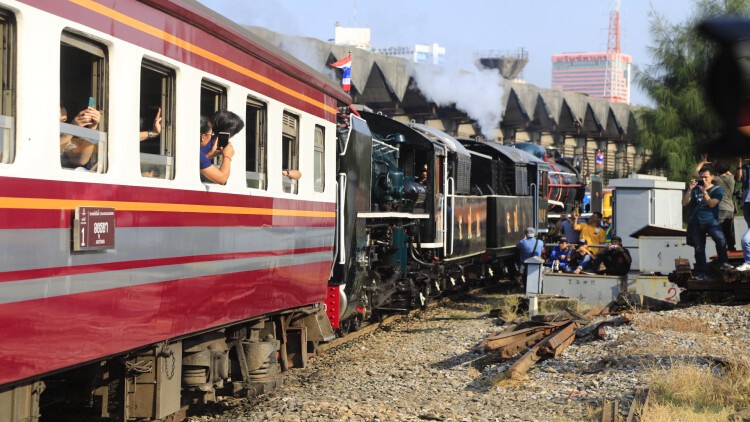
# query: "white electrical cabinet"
[[642, 200]]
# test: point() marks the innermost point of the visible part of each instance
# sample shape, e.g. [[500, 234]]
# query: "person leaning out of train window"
[[76, 152], [221, 121], [155, 131], [591, 231], [559, 256], [151, 171]]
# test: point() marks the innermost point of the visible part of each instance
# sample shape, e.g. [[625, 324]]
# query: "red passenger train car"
[[128, 273]]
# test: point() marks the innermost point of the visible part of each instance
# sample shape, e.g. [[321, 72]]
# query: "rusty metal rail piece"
[[522, 365], [504, 339], [610, 411], [593, 312], [521, 344], [553, 345], [638, 406]]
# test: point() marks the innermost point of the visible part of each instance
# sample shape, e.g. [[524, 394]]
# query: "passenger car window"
[[156, 125], [83, 98], [255, 160]]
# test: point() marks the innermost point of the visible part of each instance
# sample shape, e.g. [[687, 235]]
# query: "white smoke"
[[476, 92]]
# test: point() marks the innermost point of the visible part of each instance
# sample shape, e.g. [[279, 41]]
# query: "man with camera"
[[703, 200], [615, 257]]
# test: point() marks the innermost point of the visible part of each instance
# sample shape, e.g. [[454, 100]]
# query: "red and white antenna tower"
[[613, 54]]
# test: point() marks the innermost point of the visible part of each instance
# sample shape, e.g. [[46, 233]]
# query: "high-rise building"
[[602, 75]]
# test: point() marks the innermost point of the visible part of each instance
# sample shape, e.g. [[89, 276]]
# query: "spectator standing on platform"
[[703, 201], [743, 176], [725, 180]]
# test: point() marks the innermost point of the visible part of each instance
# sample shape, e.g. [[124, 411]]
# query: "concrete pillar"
[[580, 148], [620, 160], [535, 137], [558, 141], [603, 146], [638, 158], [509, 135], [579, 152]]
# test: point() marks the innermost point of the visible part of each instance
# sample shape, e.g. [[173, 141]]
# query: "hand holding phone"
[[223, 140]]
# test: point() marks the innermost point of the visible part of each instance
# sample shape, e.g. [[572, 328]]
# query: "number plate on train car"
[[94, 229]]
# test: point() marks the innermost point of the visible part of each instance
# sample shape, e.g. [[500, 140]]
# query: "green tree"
[[682, 121]]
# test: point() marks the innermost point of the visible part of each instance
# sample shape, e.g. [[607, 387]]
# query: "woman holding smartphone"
[[215, 135]]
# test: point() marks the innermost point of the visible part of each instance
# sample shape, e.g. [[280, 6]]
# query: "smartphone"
[[223, 139], [92, 102]]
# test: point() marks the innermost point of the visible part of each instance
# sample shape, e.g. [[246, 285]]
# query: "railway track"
[[424, 365]]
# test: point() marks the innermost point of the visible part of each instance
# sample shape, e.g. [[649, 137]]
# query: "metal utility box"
[[655, 287], [589, 289], [642, 200], [658, 254], [658, 247], [534, 275]]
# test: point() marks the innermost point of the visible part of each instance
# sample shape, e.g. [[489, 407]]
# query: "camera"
[[698, 182], [223, 139]]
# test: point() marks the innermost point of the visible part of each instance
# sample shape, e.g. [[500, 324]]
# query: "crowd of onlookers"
[[589, 246], [582, 246]]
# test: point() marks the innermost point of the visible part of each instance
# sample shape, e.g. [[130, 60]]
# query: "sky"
[[541, 27]]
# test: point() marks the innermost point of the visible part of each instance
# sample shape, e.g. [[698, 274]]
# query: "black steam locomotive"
[[421, 212]]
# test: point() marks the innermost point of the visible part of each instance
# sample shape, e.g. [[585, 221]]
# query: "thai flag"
[[599, 158], [346, 65]]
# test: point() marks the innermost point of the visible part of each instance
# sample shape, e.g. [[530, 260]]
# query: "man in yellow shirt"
[[591, 231]]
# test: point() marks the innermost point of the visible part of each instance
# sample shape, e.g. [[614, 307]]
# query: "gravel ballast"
[[423, 367]]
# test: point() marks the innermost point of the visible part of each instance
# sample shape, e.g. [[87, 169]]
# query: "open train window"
[[319, 156], [213, 99], [83, 104], [255, 160], [157, 108], [8, 74], [289, 150]]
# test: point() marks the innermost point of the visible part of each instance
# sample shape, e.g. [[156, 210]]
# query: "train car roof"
[[514, 155], [414, 132], [232, 33]]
